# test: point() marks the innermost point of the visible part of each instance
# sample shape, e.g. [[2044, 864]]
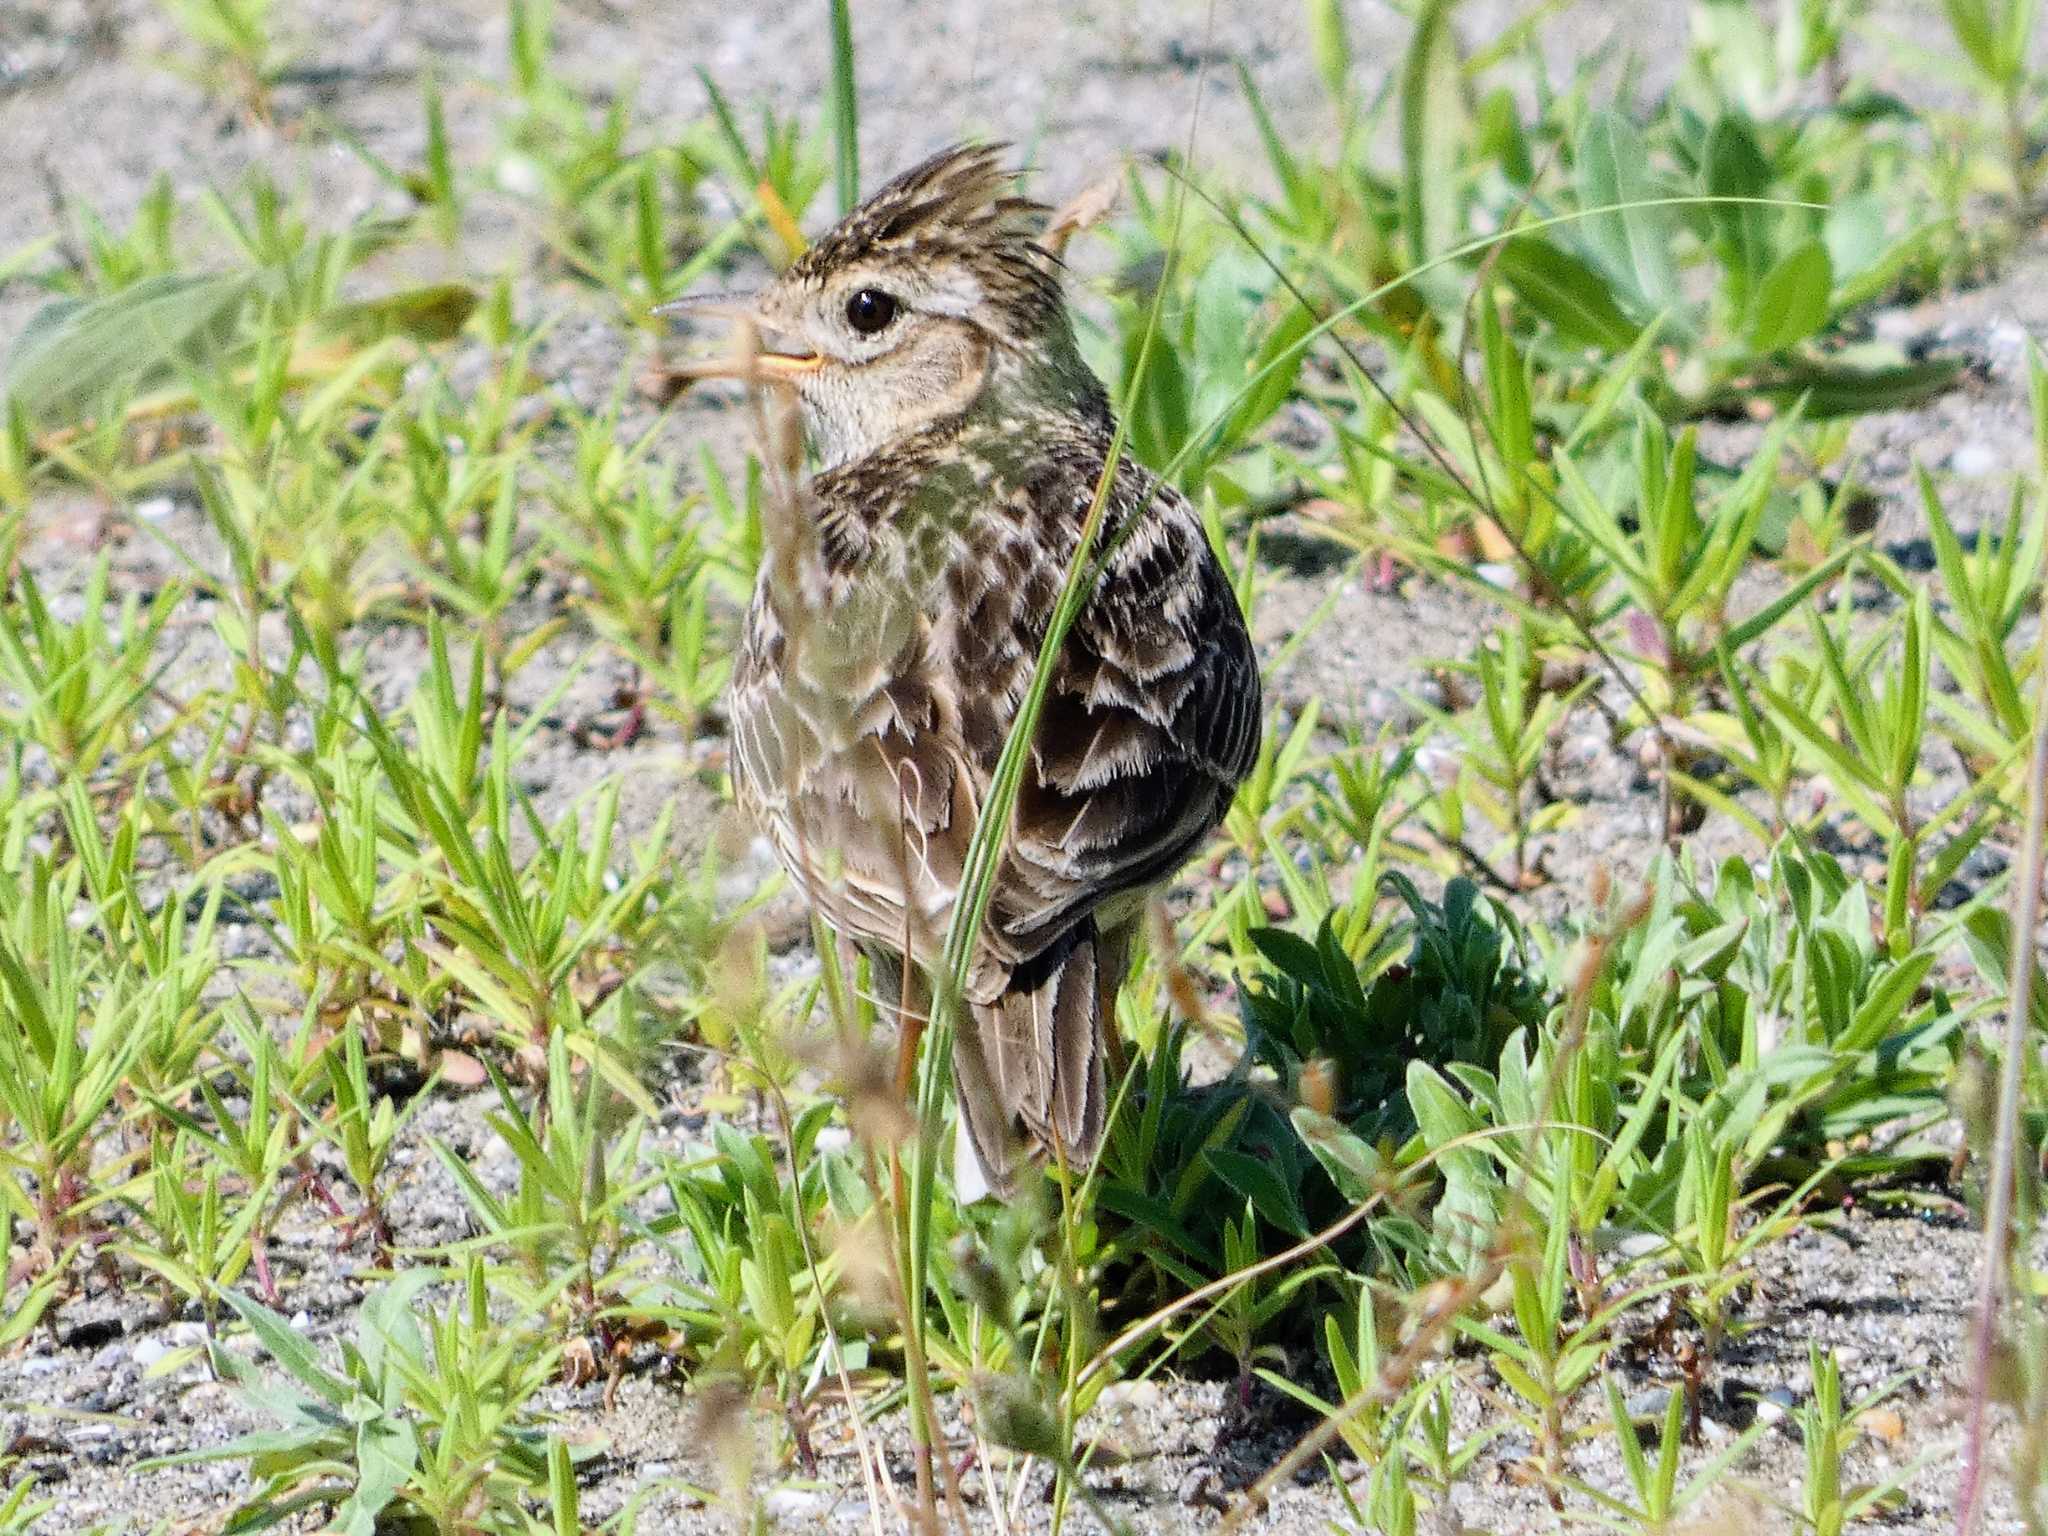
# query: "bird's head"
[[928, 299]]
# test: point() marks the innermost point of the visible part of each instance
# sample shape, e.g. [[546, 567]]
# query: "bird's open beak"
[[749, 360]]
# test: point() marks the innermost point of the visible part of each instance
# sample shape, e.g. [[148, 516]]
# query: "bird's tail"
[[1029, 1073]]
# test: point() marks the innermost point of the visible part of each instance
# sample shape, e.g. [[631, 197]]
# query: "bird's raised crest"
[[959, 204]]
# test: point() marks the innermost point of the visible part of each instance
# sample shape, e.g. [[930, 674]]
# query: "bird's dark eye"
[[870, 310]]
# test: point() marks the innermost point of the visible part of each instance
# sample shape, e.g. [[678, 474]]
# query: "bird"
[[956, 440]]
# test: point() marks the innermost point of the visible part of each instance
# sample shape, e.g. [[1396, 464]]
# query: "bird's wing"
[[865, 731], [848, 756], [1151, 719]]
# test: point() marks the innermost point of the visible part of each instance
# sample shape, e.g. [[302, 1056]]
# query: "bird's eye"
[[870, 310]]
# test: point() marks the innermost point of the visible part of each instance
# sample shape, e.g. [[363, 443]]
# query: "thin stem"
[[2026, 917]]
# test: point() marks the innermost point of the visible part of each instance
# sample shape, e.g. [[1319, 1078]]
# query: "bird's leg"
[[1108, 982], [912, 1006]]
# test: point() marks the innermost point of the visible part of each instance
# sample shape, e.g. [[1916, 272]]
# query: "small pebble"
[[1649, 1407], [1974, 458], [1131, 1394], [1774, 1406], [1583, 750], [167, 1341], [2004, 336], [1641, 1245], [1386, 704]]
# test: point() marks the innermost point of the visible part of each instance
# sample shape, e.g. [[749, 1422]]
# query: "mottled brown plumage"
[[891, 642]]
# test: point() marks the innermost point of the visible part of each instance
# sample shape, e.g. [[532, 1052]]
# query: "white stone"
[[1974, 458]]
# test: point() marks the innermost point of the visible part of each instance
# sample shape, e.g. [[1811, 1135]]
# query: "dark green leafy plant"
[[1327, 1033], [1464, 987]]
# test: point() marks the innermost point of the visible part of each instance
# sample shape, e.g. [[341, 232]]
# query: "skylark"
[[959, 439]]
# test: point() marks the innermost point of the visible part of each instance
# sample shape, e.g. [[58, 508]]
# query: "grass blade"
[[845, 111]]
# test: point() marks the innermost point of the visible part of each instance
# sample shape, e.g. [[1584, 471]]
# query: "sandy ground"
[[89, 106]]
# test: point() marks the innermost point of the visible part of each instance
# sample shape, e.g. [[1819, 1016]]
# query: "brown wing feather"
[[1151, 720]]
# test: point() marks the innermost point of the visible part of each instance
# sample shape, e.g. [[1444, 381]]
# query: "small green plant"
[[70, 1030], [526, 942], [365, 1126], [1505, 737], [428, 1418], [566, 1223], [77, 684], [755, 1296], [1399, 1437], [239, 46], [1996, 37], [625, 219], [194, 1232], [649, 570], [1551, 1354], [254, 1150], [1827, 1427], [1868, 743], [1659, 1496]]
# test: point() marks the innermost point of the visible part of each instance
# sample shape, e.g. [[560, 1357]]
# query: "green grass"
[[1463, 1155]]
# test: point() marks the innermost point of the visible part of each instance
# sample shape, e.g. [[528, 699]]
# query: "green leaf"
[[1432, 123], [303, 1442], [70, 353], [1352, 1165], [1300, 190], [431, 312], [1330, 45], [1574, 298], [1733, 166], [289, 1350], [1884, 1010], [388, 1453], [1831, 389], [1612, 167], [1765, 619], [1282, 353], [1257, 1182], [1974, 28], [845, 109], [22, 257], [1792, 300], [387, 1317]]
